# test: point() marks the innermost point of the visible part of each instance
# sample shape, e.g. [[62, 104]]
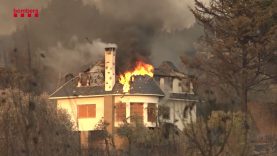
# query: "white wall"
[[162, 83], [86, 124], [83, 124], [69, 105], [176, 88], [140, 99], [176, 113]]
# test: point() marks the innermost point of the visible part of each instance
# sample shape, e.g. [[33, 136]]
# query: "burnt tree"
[[239, 45]]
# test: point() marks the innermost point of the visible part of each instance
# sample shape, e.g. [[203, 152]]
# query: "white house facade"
[[95, 95]]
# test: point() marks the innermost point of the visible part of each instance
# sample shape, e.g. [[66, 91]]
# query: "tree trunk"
[[107, 146], [244, 100]]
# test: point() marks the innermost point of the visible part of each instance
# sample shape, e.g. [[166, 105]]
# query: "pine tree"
[[239, 44]]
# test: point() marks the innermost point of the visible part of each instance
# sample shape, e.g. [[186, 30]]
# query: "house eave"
[[175, 99], [88, 96]]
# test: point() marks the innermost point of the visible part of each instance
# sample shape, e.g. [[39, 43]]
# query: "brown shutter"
[[137, 112], [151, 112], [91, 111], [87, 111], [120, 111], [82, 111]]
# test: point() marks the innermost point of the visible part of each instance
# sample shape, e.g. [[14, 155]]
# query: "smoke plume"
[[61, 56], [71, 32]]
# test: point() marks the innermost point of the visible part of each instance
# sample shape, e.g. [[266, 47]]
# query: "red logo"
[[25, 12]]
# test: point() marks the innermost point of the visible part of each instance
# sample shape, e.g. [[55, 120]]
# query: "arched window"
[[187, 110]]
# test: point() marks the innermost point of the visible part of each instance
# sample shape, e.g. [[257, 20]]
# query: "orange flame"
[[140, 69]]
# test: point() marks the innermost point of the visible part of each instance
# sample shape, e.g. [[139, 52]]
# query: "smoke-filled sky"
[[73, 32]]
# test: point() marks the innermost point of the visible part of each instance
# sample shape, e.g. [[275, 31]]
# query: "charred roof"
[[168, 69], [142, 85]]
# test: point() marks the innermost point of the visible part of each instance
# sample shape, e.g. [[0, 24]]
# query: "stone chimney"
[[110, 53]]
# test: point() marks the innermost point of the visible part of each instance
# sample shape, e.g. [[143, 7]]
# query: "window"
[[137, 112], [151, 112], [84, 79], [87, 111], [164, 112], [187, 110], [120, 111], [169, 83]]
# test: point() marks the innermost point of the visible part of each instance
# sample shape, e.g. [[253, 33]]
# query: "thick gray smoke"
[[8, 24], [153, 31], [173, 14], [61, 56]]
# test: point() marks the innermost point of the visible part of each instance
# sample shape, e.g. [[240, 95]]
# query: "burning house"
[[98, 94], [178, 106]]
